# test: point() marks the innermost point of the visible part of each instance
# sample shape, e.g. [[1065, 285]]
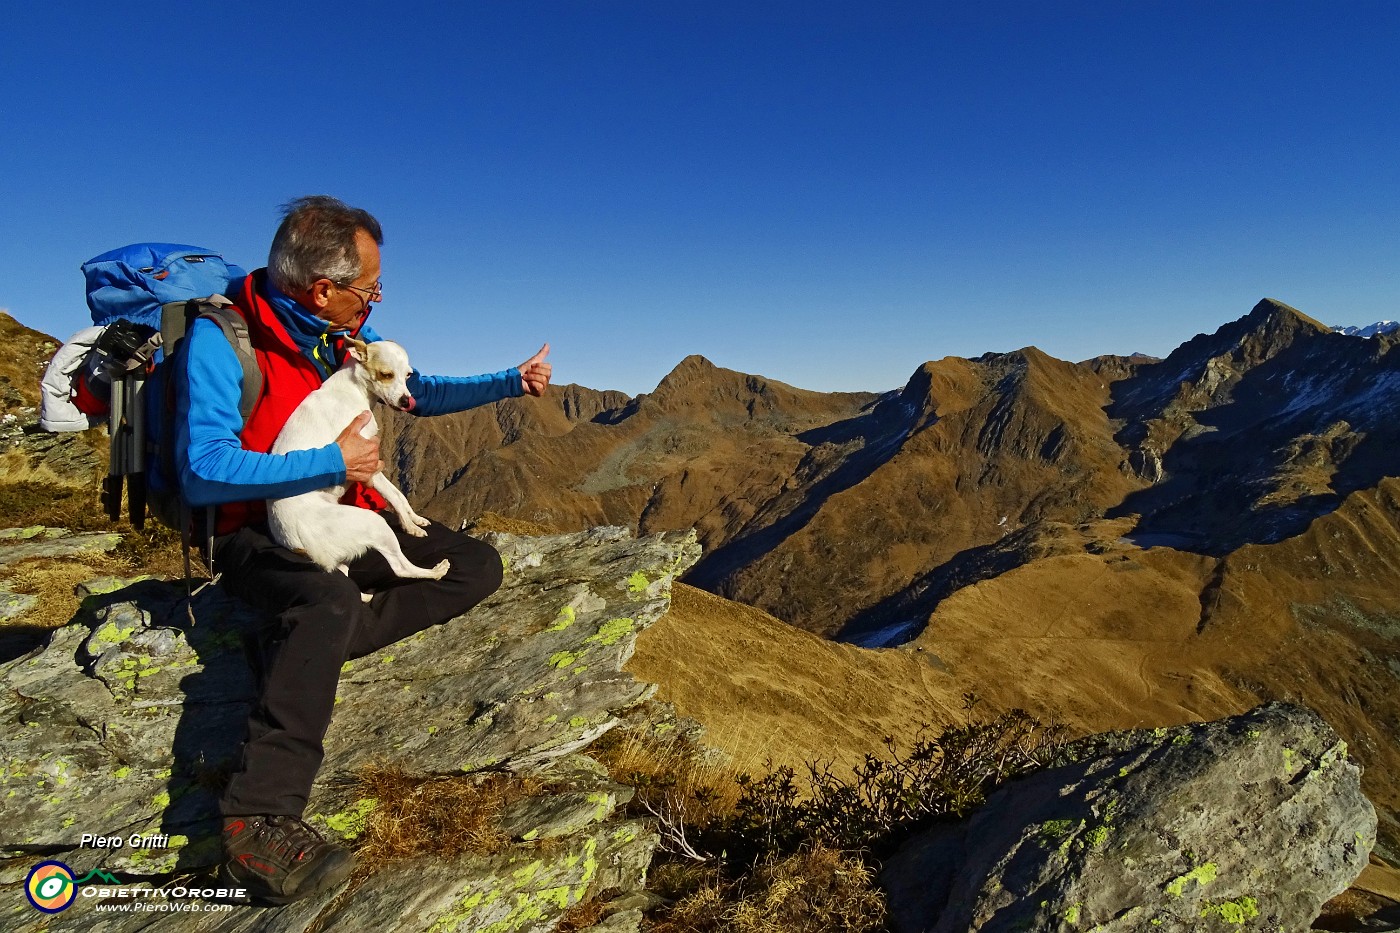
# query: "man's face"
[[346, 307]]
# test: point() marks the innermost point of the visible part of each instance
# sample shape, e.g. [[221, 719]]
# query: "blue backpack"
[[132, 283], [144, 298]]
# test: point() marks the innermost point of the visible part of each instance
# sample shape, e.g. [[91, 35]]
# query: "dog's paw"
[[441, 568], [420, 521], [411, 528]]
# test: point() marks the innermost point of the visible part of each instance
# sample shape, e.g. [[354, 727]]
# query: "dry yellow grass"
[[54, 582], [674, 774], [817, 890], [490, 521], [155, 552], [582, 916], [764, 689], [17, 467], [445, 816]]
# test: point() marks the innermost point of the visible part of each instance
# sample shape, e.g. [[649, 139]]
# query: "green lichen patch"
[[526, 873], [562, 659], [1330, 757], [1201, 875], [613, 631], [350, 823], [638, 583], [455, 918], [1290, 763], [112, 634], [1233, 912], [565, 619]]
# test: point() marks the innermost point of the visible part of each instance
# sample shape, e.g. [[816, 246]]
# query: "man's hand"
[[535, 373], [361, 453]]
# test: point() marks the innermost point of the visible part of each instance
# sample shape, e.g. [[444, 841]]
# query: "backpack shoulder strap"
[[178, 316], [236, 330]]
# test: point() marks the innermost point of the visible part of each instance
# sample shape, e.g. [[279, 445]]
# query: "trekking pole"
[[116, 462], [136, 453]]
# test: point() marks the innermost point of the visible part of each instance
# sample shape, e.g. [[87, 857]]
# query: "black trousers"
[[315, 622]]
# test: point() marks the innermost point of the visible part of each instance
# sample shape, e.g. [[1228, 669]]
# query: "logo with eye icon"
[[50, 887]]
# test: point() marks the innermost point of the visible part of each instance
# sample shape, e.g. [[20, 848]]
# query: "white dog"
[[315, 523]]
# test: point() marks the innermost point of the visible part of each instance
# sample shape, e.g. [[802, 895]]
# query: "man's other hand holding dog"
[[361, 453]]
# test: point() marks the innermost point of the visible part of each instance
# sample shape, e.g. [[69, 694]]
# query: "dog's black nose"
[[406, 403]]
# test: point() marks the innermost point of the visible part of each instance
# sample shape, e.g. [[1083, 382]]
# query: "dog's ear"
[[356, 348]]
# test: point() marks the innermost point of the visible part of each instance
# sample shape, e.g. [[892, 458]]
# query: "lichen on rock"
[[127, 718]]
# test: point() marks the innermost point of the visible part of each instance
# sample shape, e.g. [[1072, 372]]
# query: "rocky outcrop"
[[1247, 823], [124, 722]]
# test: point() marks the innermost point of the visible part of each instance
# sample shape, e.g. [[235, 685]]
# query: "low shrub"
[[776, 853]]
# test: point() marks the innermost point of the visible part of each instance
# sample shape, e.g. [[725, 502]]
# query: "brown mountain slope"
[[1099, 634], [695, 453], [26, 354], [1250, 433], [764, 689], [991, 444], [853, 496], [421, 463], [1115, 636]]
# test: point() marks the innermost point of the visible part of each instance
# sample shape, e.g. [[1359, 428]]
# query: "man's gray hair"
[[317, 241]]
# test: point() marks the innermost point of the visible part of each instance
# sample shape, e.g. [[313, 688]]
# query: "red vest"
[[288, 378]]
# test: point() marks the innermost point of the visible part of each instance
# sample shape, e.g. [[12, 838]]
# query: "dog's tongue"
[[412, 403]]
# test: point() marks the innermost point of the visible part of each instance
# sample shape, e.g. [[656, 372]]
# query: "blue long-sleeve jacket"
[[214, 467]]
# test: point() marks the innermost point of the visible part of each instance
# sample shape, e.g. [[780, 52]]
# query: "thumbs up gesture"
[[535, 373]]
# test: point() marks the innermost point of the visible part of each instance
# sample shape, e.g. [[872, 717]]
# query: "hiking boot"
[[280, 859]]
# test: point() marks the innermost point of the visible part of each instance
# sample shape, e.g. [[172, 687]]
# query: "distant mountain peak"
[[1271, 310], [1369, 330], [685, 375]]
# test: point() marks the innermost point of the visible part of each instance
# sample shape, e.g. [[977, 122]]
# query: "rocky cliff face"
[[1250, 433], [123, 722]]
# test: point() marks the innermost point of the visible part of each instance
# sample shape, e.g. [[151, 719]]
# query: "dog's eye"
[[385, 377]]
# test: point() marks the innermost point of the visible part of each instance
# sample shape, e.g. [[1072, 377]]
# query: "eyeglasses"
[[374, 293]]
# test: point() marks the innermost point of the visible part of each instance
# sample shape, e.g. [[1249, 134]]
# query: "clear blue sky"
[[825, 193]]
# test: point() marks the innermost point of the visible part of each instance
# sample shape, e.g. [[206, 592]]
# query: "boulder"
[[126, 720], [1248, 823]]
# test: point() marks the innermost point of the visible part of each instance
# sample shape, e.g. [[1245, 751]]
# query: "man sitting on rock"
[[321, 280]]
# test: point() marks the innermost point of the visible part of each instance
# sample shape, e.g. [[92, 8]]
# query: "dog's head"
[[382, 371]]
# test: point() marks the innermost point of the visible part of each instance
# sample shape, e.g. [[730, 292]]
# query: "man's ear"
[[356, 348], [319, 294]]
